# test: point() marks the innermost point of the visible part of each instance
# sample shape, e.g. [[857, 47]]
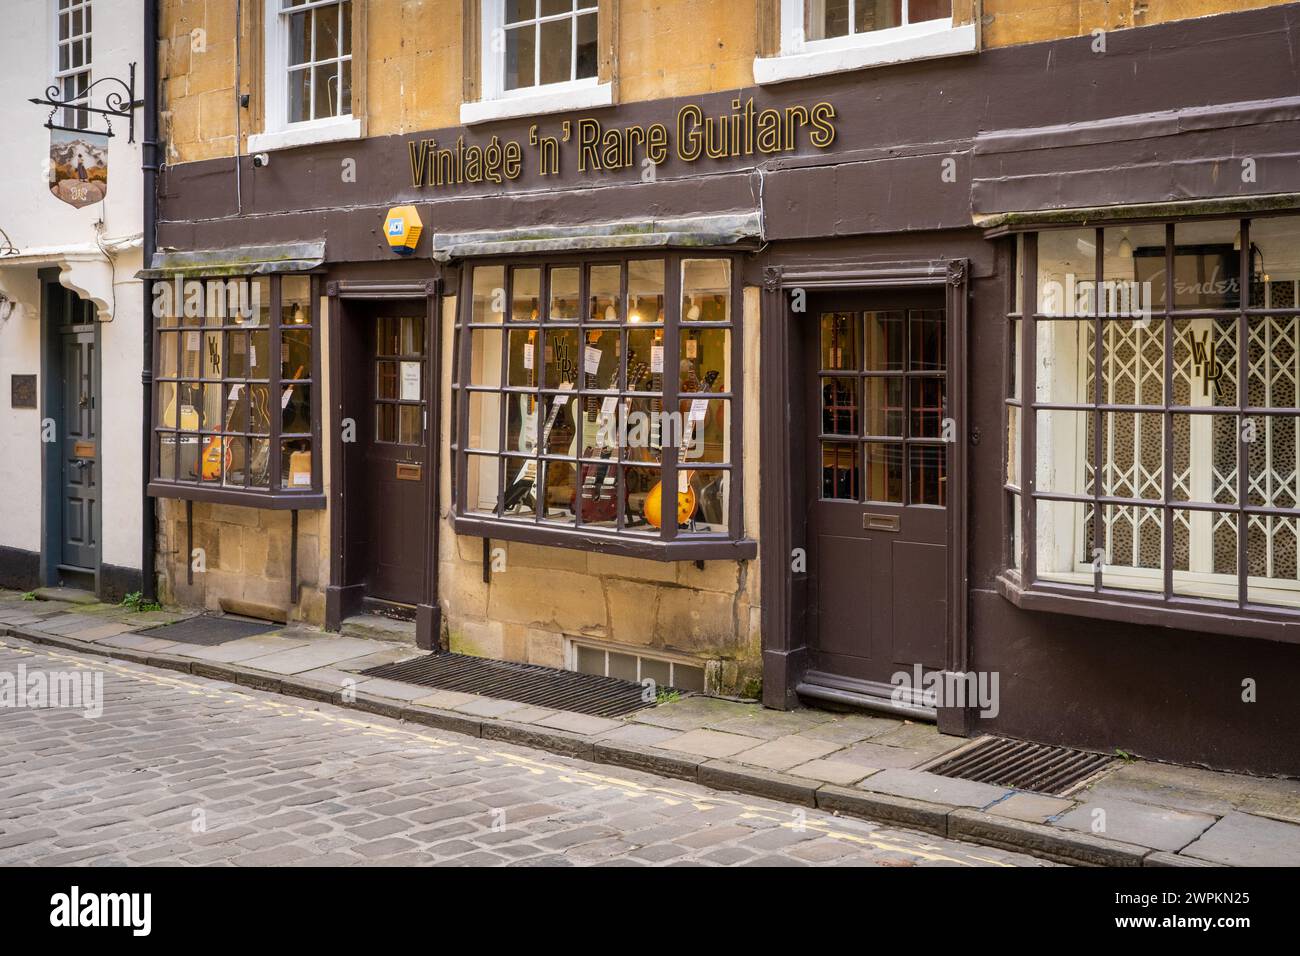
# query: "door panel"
[[878, 525], [79, 449]]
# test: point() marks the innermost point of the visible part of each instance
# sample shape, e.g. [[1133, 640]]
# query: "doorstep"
[[855, 764]]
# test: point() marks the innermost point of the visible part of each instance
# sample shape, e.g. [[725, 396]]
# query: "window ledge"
[[272, 501], [306, 134], [1187, 614], [682, 549], [584, 97], [919, 41]]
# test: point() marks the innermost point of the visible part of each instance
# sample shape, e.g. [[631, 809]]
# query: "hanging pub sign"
[[78, 166]]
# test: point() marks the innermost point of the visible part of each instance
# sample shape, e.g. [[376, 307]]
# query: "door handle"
[[879, 522]]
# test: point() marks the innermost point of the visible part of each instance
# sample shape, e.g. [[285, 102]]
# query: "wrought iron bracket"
[[116, 103]]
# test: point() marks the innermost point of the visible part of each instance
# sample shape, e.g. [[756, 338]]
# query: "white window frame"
[[800, 58], [63, 75], [673, 661], [497, 103], [278, 132]]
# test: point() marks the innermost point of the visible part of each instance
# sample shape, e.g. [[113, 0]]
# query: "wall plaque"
[[22, 391]]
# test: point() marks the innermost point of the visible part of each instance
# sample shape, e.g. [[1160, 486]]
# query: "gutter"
[[149, 166]]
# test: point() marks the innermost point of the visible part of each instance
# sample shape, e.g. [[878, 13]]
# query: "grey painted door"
[[878, 483], [79, 449]]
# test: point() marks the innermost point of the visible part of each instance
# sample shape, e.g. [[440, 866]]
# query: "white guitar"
[[523, 483]]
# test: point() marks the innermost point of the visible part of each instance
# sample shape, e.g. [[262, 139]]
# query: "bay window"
[[236, 402], [1153, 399], [598, 403]]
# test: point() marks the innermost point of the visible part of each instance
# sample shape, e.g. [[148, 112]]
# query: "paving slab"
[[1030, 807], [642, 735], [1160, 828], [396, 689], [245, 649], [101, 631], [446, 699], [924, 738], [870, 754], [852, 728], [1205, 791], [692, 713], [830, 770], [1243, 839], [786, 752], [531, 714], [771, 724], [318, 653], [577, 723], [385, 655], [919, 785], [488, 707], [138, 642], [709, 743]]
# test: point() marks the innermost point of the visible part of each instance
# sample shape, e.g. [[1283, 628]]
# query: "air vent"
[[523, 683], [1022, 765]]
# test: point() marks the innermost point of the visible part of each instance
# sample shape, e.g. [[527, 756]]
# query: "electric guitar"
[[598, 488], [686, 498], [518, 489]]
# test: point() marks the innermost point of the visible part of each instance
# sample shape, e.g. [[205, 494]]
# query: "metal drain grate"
[[207, 631], [523, 683], [1022, 765]]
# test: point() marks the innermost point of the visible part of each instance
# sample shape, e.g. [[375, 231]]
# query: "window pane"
[[482, 484], [882, 14], [590, 661], [345, 27], [1272, 471], [167, 404], [827, 19], [919, 11], [326, 79], [604, 288], [840, 470], [489, 295], [1273, 356], [705, 433], [300, 95], [295, 404], [1205, 458], [711, 489], [706, 290], [557, 51], [885, 341], [1133, 271], [299, 38], [295, 464], [1067, 270], [839, 337], [1064, 541], [657, 671], [558, 492], [927, 338], [410, 424], [526, 294], [704, 360], [1065, 452], [645, 290], [345, 88], [884, 472], [1205, 554], [1207, 265], [564, 295], [521, 423], [562, 358], [295, 353], [522, 369], [1013, 446], [1205, 361], [167, 445], [688, 678], [521, 58], [929, 464], [884, 406], [259, 464], [638, 481], [1132, 449], [386, 423], [259, 417], [622, 666], [517, 10], [1134, 541], [326, 28], [840, 406], [586, 65], [1271, 560], [167, 362], [927, 407], [1274, 265], [550, 8], [1064, 361]]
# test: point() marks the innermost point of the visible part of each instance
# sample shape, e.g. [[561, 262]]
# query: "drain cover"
[[523, 683], [209, 631], [1022, 765]]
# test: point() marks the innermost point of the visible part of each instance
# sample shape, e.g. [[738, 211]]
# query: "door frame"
[[344, 595], [51, 382], [782, 459]]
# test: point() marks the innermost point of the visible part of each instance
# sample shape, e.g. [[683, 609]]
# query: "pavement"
[[1134, 813], [185, 770]]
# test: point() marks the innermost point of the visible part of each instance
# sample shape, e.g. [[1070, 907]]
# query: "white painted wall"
[[51, 233]]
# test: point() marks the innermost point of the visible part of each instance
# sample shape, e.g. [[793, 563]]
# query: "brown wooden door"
[[879, 431], [394, 430]]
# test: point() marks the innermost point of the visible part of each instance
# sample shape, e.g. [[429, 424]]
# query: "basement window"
[[236, 404], [610, 662]]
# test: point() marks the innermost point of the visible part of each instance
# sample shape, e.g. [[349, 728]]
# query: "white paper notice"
[[699, 409], [591, 359], [608, 405], [657, 359], [528, 355], [410, 381]]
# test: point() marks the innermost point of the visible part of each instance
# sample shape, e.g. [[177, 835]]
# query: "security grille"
[[1022, 765]]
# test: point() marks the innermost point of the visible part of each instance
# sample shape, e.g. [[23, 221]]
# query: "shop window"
[[537, 56], [1166, 412], [236, 410], [309, 74], [73, 49], [600, 401], [829, 36]]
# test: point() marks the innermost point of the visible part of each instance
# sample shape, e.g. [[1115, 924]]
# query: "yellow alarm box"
[[402, 228]]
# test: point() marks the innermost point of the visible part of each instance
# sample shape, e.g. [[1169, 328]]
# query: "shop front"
[[783, 391]]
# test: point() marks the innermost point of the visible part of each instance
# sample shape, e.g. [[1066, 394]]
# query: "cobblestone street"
[[182, 769]]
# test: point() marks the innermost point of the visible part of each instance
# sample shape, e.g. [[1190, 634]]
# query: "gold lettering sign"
[[744, 130]]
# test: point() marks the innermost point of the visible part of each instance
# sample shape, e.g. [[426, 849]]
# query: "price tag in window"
[[252, 355], [692, 348], [608, 405], [699, 409], [528, 355], [302, 478], [657, 359], [191, 341], [683, 481], [591, 359], [285, 398]]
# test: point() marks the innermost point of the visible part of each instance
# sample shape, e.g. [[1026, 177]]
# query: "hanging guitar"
[[599, 490], [212, 456], [686, 499], [520, 488]]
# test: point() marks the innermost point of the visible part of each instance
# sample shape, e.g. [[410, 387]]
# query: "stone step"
[[67, 595], [376, 627]]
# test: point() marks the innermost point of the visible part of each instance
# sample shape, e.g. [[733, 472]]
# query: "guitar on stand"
[[526, 479], [598, 486], [687, 498]]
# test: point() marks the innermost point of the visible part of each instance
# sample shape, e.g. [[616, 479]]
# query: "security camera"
[[261, 159]]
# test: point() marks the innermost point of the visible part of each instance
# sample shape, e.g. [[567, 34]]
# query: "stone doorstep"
[[955, 822]]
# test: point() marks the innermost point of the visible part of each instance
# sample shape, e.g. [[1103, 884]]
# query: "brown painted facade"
[[924, 194]]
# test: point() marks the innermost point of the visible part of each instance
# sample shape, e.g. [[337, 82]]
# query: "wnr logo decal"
[[102, 909]]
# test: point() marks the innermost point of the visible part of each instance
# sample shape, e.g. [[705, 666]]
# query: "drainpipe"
[[149, 164]]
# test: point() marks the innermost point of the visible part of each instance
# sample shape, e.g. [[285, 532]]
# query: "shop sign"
[[78, 166], [744, 130]]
